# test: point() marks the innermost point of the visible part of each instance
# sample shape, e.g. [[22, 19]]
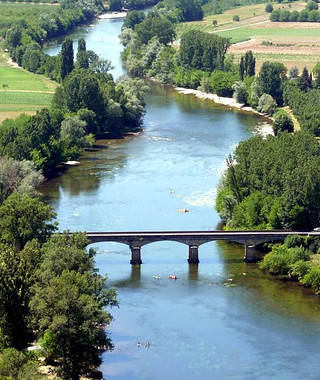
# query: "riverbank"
[[264, 130]]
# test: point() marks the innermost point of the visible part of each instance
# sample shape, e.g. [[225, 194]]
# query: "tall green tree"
[[270, 79], [69, 304], [82, 57], [66, 58], [17, 275]]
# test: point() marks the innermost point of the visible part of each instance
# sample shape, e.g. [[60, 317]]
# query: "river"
[[199, 326]]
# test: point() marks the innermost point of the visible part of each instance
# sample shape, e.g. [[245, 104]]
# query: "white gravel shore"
[[109, 15]]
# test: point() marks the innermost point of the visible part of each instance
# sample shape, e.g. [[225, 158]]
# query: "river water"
[[199, 326]]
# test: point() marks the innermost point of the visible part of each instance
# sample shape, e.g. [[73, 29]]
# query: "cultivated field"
[[293, 43], [21, 91]]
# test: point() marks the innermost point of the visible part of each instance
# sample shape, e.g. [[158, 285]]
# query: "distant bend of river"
[[199, 326]]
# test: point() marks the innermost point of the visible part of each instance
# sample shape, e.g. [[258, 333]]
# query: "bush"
[[282, 122], [312, 278], [240, 93], [294, 241], [299, 269], [269, 8], [280, 260], [221, 82], [236, 18], [266, 104]]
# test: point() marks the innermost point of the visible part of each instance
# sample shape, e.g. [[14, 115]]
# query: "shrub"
[[281, 258], [236, 18], [299, 269], [294, 241], [214, 23], [269, 8], [221, 82], [240, 93], [266, 104], [282, 122], [312, 278]]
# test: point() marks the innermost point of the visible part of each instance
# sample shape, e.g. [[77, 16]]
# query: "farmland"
[[293, 43], [21, 91]]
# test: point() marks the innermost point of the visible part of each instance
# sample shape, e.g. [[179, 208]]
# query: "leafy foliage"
[[282, 122], [275, 183], [203, 51], [68, 305], [280, 260]]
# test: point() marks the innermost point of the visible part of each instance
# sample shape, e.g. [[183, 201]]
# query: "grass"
[[25, 98], [17, 79], [246, 33], [22, 91]]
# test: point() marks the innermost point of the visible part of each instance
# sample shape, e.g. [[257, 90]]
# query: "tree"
[[66, 58], [240, 93], [305, 80], [282, 122], [247, 65], [13, 36], [15, 365], [293, 72], [23, 218], [236, 18], [73, 130], [269, 8], [158, 26], [316, 74], [17, 275], [270, 79], [69, 304], [311, 5], [190, 10], [284, 170], [82, 57], [203, 51], [267, 104], [132, 19], [20, 176], [221, 82]]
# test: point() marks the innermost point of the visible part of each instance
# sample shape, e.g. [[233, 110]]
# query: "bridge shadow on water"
[[161, 259]]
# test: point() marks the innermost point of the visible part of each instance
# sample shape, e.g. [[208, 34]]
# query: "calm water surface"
[[198, 327]]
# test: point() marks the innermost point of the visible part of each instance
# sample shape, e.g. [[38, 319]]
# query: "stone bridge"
[[250, 239]]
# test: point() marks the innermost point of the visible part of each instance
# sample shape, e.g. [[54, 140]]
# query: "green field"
[[27, 98], [21, 91], [12, 78], [246, 33]]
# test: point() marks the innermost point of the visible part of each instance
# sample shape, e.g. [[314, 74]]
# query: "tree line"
[[309, 14]]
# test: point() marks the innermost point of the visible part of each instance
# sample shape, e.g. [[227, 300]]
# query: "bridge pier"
[[251, 254], [193, 254], [135, 255]]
